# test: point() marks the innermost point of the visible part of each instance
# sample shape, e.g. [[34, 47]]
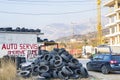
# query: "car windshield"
[[116, 57]]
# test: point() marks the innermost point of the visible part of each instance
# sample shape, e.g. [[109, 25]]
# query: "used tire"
[[58, 63], [46, 75], [35, 68], [55, 74], [53, 52], [40, 78], [47, 57], [57, 57], [75, 61], [24, 74], [56, 49], [84, 72], [62, 75], [43, 68], [61, 51], [52, 61], [73, 65], [75, 76], [65, 57], [66, 70], [78, 71], [43, 63]]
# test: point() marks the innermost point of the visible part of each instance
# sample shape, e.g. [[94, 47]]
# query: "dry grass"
[[7, 70]]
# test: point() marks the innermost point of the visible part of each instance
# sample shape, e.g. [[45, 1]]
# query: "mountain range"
[[57, 31]]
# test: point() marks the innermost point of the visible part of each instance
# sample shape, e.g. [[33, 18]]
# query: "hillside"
[[79, 37]]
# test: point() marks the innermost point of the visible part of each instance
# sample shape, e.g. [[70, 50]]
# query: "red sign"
[[28, 50]]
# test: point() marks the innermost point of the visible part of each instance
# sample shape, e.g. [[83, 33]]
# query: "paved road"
[[99, 75]]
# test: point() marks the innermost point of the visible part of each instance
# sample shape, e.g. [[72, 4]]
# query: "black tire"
[[24, 74], [55, 74], [62, 75], [43, 63], [35, 68], [43, 68], [70, 56], [75, 76], [77, 71], [57, 57], [56, 49], [53, 52], [66, 70], [40, 78], [104, 69], [47, 57], [52, 61], [65, 57], [84, 72], [61, 51], [46, 75], [89, 67], [75, 61], [58, 63], [72, 65]]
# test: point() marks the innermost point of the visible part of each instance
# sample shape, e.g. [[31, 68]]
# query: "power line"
[[65, 13], [48, 1]]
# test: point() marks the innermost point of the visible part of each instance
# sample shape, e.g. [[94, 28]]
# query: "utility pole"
[[99, 26], [73, 25]]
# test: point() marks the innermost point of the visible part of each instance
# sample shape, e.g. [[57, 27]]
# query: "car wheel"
[[89, 67], [104, 69]]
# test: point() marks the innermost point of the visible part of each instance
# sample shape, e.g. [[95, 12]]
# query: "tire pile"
[[58, 64]]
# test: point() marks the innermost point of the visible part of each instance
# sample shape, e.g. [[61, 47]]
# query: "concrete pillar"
[[116, 4], [118, 39], [115, 40], [111, 41], [115, 29], [116, 7], [110, 30]]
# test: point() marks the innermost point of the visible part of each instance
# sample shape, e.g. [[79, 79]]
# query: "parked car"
[[104, 63]]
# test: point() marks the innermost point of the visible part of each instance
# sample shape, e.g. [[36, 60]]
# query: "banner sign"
[[21, 50]]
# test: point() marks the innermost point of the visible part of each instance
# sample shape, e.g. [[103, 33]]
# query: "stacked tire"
[[57, 63]]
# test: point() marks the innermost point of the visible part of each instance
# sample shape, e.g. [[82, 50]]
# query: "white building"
[[17, 43], [114, 22]]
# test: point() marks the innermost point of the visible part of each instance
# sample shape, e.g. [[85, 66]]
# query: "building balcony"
[[109, 3], [117, 10], [111, 24], [118, 21], [111, 14], [112, 34]]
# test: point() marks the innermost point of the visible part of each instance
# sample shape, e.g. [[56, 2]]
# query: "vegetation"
[[7, 70]]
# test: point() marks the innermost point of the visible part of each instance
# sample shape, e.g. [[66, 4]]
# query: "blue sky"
[[37, 14]]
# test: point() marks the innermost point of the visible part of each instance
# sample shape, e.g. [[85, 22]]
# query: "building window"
[[112, 19], [119, 28], [113, 40], [119, 15], [113, 29]]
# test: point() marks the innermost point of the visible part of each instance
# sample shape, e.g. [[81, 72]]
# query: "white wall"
[[17, 38], [24, 42]]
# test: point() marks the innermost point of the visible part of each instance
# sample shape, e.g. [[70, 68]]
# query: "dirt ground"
[[90, 78]]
